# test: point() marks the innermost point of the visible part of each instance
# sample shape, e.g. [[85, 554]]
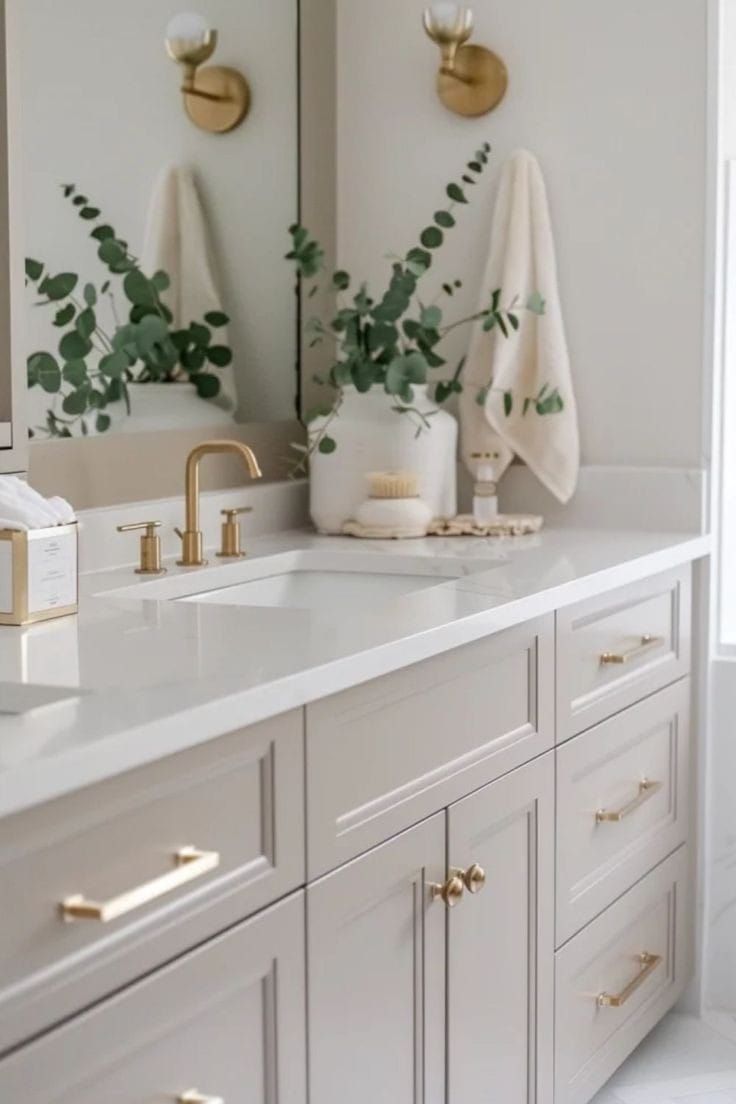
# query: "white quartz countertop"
[[150, 678]]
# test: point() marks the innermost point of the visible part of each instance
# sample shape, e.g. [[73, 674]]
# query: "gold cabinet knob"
[[474, 878], [231, 546], [451, 892], [150, 547]]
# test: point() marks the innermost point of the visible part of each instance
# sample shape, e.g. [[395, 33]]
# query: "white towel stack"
[[522, 262], [22, 508]]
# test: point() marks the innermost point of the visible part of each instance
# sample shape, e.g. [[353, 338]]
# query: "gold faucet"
[[192, 542]]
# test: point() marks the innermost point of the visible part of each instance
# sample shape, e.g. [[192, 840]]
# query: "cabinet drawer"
[[226, 1020], [622, 800], [618, 977], [613, 651], [382, 756], [238, 800]]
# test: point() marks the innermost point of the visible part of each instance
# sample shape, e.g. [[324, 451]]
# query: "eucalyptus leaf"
[[219, 355], [444, 219], [456, 193], [34, 269], [216, 319], [432, 237], [75, 402], [114, 365], [327, 446], [58, 287], [64, 316], [207, 385], [102, 423], [73, 346], [43, 369], [75, 373]]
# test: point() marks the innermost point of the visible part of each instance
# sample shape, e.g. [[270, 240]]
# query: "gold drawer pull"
[[194, 1097], [648, 963], [647, 790], [645, 645], [190, 865], [451, 892]]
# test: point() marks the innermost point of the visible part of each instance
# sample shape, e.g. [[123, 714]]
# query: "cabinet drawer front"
[[618, 977], [382, 756], [226, 1020], [613, 651], [622, 801], [239, 800]]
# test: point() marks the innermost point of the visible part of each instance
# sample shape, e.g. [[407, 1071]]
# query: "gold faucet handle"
[[231, 537], [150, 546]]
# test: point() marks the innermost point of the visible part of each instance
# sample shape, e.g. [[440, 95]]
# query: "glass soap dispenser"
[[485, 493]]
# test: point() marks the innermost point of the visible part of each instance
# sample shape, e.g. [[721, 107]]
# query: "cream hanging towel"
[[177, 242], [522, 262]]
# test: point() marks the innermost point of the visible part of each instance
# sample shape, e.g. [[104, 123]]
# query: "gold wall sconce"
[[216, 99], [472, 79]]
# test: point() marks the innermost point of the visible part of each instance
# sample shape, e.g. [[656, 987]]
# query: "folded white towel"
[[22, 508], [177, 242], [522, 261]]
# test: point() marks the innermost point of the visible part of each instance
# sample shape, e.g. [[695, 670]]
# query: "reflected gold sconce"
[[216, 99], [472, 79]]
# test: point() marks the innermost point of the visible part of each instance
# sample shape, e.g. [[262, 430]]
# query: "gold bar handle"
[[645, 645], [647, 790], [190, 865], [195, 1097], [648, 963]]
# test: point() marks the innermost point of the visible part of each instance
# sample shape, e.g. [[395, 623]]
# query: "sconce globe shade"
[[450, 21], [190, 38]]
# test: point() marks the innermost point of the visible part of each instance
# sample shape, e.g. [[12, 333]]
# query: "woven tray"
[[505, 525]]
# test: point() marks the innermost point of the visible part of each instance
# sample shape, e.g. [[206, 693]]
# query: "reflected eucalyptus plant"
[[393, 341], [93, 365]]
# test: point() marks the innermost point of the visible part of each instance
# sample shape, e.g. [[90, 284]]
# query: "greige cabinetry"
[[467, 880]]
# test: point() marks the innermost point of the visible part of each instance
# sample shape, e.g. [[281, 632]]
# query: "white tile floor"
[[684, 1061]]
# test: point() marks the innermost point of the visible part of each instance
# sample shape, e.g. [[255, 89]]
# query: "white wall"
[[612, 99], [101, 108]]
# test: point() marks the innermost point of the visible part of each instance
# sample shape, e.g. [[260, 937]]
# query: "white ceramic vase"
[[372, 437], [156, 406]]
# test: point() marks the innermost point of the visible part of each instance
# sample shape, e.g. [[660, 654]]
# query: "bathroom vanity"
[[437, 847]]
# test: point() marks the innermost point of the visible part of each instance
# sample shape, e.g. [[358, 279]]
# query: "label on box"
[[6, 577], [52, 572]]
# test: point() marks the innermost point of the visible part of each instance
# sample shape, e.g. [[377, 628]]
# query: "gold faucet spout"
[[192, 555]]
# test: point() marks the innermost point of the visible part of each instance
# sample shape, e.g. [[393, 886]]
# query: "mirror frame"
[[97, 472]]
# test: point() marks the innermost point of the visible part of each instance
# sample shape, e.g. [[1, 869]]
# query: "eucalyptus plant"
[[393, 341], [92, 366]]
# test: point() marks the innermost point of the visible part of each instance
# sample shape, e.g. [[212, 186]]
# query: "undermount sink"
[[307, 580]]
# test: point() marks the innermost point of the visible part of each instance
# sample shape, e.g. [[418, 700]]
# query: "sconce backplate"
[[478, 84], [230, 100]]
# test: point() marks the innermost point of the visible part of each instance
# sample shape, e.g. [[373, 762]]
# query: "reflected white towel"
[[177, 242], [522, 261], [22, 508]]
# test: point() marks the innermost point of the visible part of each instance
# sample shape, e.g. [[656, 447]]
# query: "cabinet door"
[[226, 1020], [376, 968], [501, 941]]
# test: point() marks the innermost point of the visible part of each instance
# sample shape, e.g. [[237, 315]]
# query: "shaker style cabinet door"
[[223, 1025], [376, 970], [501, 941]]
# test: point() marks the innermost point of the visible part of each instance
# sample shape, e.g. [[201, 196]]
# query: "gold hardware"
[[647, 790], [451, 892], [150, 547], [648, 963], [194, 1097], [472, 79], [192, 539], [190, 865], [231, 534], [474, 878], [645, 644], [217, 98]]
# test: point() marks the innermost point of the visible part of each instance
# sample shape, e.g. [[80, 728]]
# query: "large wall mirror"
[[155, 197]]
